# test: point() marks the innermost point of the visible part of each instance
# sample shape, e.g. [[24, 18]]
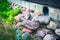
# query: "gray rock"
[[26, 36], [52, 25], [37, 38], [31, 25], [49, 37], [43, 32], [57, 31], [40, 33], [18, 34]]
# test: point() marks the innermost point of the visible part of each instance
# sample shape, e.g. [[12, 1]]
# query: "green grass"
[[7, 32]]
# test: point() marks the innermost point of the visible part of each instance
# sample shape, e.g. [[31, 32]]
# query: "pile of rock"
[[49, 33]]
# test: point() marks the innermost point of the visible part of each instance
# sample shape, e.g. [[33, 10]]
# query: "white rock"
[[52, 25], [57, 31], [49, 37]]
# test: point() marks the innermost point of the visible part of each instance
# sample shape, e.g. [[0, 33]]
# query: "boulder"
[[43, 32], [37, 38], [49, 37], [44, 19], [18, 34], [18, 17], [57, 31], [26, 36], [40, 33], [26, 30], [52, 25], [32, 25]]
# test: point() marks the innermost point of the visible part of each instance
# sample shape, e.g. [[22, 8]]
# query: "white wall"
[[58, 11], [53, 12]]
